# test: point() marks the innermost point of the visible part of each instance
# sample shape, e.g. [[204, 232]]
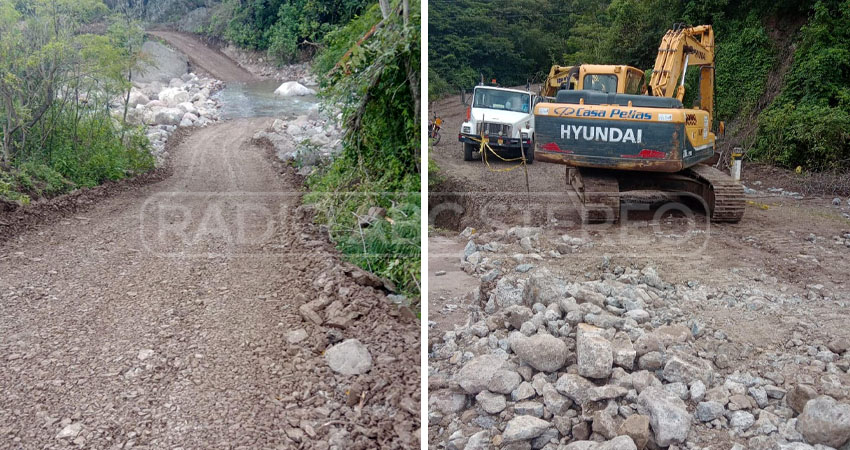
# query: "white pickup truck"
[[505, 117]]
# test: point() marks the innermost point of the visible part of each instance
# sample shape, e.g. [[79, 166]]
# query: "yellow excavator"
[[616, 135]]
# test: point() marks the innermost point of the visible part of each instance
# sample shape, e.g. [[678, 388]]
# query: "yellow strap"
[[485, 148]]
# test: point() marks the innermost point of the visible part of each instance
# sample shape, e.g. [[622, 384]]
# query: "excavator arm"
[[680, 48], [558, 75]]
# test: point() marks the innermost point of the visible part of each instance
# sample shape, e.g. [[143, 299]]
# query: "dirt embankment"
[[201, 56]]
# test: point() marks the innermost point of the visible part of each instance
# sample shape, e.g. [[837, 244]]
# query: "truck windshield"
[[505, 100], [602, 83]]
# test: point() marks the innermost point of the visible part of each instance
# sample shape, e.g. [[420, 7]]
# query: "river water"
[[257, 99]]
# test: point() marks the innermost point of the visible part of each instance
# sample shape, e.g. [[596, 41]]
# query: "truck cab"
[[504, 117]]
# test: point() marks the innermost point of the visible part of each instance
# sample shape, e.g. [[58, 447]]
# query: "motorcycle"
[[434, 126]]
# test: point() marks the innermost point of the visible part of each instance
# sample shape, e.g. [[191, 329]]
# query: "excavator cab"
[[594, 77]]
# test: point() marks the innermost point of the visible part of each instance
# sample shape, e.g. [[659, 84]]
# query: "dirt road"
[[207, 59], [170, 316]]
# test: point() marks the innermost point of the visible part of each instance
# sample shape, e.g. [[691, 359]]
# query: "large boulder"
[[188, 107], [544, 352], [167, 116], [545, 287], [478, 441], [174, 96], [825, 421], [447, 402], [504, 381], [491, 403], [137, 98], [624, 351], [291, 88], [668, 415], [798, 396]]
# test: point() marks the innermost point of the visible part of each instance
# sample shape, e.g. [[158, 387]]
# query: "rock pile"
[[306, 140], [184, 102], [262, 66], [618, 363]]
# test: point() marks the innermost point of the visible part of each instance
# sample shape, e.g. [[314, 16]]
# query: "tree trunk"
[[405, 7], [413, 83], [385, 8]]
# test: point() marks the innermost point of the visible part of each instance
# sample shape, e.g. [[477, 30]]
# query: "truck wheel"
[[467, 151]]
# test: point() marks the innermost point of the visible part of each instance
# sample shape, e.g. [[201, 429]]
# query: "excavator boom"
[[680, 48]]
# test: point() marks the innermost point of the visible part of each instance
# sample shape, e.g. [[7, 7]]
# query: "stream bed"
[[257, 99]]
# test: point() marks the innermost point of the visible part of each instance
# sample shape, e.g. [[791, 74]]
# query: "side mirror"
[[463, 98]]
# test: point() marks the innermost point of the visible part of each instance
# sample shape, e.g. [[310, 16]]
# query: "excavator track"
[[599, 193], [723, 195]]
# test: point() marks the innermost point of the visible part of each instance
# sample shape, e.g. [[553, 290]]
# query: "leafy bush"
[[379, 165], [744, 58], [812, 136], [88, 151]]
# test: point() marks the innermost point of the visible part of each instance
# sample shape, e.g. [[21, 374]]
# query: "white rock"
[[188, 120], [595, 357], [174, 96], [475, 375], [188, 107], [296, 336], [349, 357], [291, 88], [544, 352], [145, 354], [70, 431], [167, 116], [137, 98], [523, 428], [668, 416], [491, 403]]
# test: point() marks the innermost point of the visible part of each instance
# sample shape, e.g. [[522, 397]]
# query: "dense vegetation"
[[376, 80], [805, 124], [286, 29], [61, 91]]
